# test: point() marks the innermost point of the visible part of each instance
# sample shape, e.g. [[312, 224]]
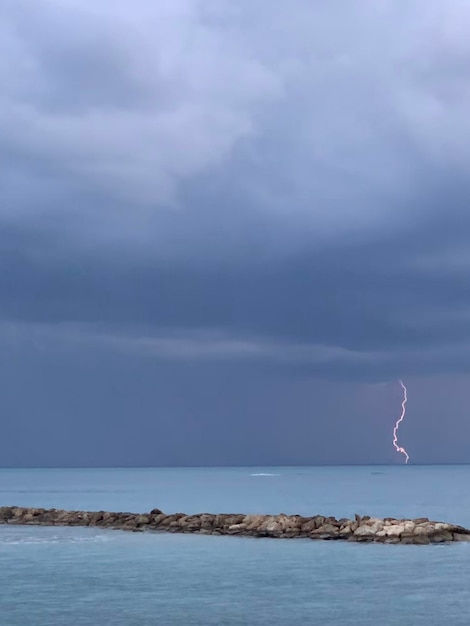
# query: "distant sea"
[[85, 577]]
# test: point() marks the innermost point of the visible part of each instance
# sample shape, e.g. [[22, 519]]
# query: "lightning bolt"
[[397, 424]]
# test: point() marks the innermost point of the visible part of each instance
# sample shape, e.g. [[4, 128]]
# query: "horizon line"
[[38, 467]]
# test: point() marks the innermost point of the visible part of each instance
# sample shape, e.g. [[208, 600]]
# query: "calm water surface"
[[79, 576]]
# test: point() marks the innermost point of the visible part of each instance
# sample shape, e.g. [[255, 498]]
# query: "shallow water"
[[61, 576]]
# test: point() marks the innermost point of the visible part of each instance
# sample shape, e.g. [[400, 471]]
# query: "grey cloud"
[[358, 309], [331, 118], [137, 149], [260, 195]]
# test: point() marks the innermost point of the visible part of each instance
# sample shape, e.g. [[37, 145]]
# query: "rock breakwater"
[[360, 529]]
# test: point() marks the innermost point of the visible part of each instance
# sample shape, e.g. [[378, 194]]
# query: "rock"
[[129, 524], [409, 526], [207, 520], [377, 526], [422, 530], [273, 527], [6, 513], [290, 534], [408, 539], [392, 540], [253, 522], [394, 530], [345, 531], [193, 523], [156, 512], [460, 529], [95, 518], [288, 523], [364, 531], [441, 536], [421, 540], [326, 531], [308, 527], [158, 519], [236, 528], [171, 520], [234, 519], [461, 537]]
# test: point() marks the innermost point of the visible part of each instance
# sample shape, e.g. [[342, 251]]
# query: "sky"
[[227, 231]]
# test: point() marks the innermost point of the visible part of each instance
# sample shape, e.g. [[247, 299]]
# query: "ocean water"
[[84, 577]]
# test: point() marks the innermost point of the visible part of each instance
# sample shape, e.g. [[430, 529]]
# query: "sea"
[[86, 576]]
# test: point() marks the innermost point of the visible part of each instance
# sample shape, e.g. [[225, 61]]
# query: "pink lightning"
[[399, 420]]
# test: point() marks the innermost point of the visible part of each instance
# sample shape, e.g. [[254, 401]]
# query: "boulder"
[[392, 540], [253, 522], [326, 531], [421, 540], [207, 521], [236, 529], [441, 536], [6, 513], [394, 530], [308, 527], [319, 520], [345, 531], [364, 531]]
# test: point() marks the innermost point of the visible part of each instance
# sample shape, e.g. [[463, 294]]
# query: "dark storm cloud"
[[367, 302], [280, 191]]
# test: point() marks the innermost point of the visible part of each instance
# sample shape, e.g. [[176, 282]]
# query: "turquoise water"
[[80, 576]]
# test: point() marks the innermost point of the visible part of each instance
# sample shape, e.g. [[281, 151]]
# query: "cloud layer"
[[286, 174], [334, 118]]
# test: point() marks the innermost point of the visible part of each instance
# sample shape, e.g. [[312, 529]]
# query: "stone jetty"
[[362, 529]]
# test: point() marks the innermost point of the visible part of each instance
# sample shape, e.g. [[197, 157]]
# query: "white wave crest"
[[264, 474]]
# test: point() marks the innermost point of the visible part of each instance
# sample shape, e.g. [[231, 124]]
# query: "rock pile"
[[361, 528]]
